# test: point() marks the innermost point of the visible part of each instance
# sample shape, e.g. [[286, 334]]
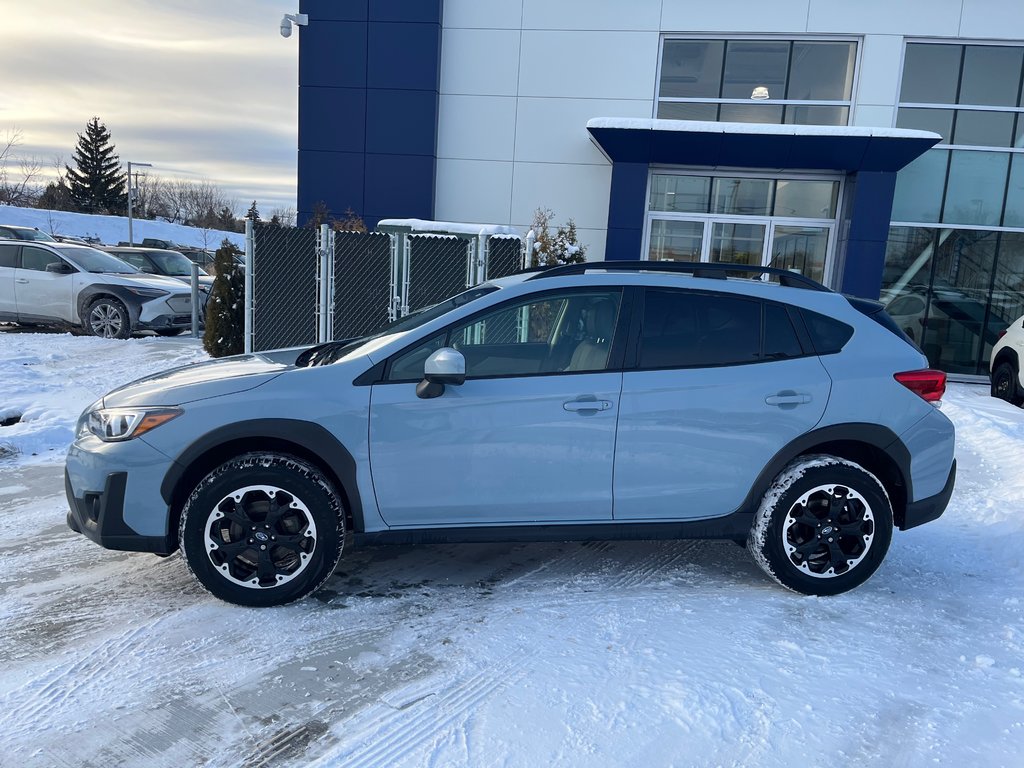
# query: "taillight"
[[1001, 334], [928, 383]]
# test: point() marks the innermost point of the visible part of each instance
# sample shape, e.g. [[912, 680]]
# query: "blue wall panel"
[[369, 145]]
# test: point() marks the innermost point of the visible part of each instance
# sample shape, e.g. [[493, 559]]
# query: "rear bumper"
[[931, 508]]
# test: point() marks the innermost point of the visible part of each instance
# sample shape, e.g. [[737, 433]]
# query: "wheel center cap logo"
[[261, 536], [827, 530]]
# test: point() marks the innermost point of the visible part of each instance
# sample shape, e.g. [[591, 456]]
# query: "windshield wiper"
[[324, 354]]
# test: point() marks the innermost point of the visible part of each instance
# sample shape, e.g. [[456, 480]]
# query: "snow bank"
[[48, 379], [113, 229]]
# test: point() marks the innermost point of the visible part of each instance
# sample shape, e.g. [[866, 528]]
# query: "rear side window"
[[780, 340], [828, 336], [8, 255], [689, 330]]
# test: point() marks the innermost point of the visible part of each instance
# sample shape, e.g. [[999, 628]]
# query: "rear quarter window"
[[828, 335]]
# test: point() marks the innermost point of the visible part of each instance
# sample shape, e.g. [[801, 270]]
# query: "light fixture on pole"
[[131, 194]]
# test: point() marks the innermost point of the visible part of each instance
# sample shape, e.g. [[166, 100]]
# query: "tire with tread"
[[1005, 383], [768, 540], [301, 480], [118, 323]]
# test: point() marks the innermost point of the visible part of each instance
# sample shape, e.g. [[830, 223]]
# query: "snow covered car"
[[1005, 364], [45, 283], [781, 415]]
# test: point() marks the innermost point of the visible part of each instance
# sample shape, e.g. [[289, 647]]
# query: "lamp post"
[[131, 241]]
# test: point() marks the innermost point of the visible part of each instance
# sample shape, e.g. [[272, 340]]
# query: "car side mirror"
[[59, 267], [445, 366]]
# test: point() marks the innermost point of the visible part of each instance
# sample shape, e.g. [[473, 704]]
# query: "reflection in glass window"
[[806, 199], [801, 249], [983, 129], [676, 240], [1014, 214], [682, 110], [930, 73], [919, 188], [750, 113], [821, 71], [938, 121], [751, 64], [991, 75], [816, 115], [680, 194], [974, 194], [750, 197], [692, 68]]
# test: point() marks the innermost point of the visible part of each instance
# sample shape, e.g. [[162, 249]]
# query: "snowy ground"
[[113, 229], [618, 654]]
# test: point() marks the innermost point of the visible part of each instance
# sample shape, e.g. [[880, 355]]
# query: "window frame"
[[632, 352], [616, 353], [857, 40]]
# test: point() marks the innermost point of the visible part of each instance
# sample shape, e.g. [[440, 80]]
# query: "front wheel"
[[1004, 384], [262, 529], [108, 319], [823, 527]]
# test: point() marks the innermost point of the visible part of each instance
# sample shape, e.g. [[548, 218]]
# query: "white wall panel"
[[873, 115], [750, 17], [476, 127], [483, 14], [555, 130], [576, 191], [886, 17], [601, 65], [999, 19], [477, 191], [592, 14], [482, 62], [880, 69]]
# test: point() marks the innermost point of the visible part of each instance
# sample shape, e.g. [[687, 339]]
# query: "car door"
[[527, 438], [8, 265], [42, 295], [721, 383]]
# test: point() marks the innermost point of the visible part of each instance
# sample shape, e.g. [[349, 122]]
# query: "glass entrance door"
[[676, 240], [737, 243], [799, 248]]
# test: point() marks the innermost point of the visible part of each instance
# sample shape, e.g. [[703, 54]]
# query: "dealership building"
[[875, 146]]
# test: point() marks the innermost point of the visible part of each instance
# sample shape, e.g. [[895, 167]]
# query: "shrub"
[[225, 310]]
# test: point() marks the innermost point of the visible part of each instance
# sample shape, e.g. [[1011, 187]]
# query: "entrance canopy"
[[868, 158], [757, 145]]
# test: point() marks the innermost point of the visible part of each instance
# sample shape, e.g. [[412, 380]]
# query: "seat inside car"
[[591, 354]]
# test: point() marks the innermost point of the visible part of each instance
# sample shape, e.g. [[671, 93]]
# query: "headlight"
[[114, 424], [148, 293]]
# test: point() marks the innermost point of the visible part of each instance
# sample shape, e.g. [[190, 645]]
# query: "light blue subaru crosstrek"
[[610, 400]]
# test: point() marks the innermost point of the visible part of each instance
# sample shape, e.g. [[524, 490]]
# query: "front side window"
[[757, 81], [569, 332], [37, 259]]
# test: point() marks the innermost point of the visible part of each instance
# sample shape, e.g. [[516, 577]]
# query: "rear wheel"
[[1005, 383], [108, 318], [823, 527], [262, 529]]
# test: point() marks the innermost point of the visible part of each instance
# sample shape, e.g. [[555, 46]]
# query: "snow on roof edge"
[[706, 126], [449, 227]]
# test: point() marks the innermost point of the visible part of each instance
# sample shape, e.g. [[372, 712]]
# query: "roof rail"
[[717, 271]]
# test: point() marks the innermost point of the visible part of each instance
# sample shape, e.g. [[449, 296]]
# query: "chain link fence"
[[284, 287], [361, 280]]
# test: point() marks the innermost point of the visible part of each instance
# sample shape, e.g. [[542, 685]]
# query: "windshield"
[[35, 234], [92, 260], [174, 264]]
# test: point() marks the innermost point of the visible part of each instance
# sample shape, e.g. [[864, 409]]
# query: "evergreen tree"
[[96, 183], [225, 310], [253, 214]]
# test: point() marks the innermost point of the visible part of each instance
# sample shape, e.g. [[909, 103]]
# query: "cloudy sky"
[[199, 88]]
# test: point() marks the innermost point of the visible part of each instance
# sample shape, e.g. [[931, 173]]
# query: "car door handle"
[[788, 397], [587, 405], [21, 280]]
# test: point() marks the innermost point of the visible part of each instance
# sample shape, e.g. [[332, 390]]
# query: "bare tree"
[[284, 216], [18, 187]]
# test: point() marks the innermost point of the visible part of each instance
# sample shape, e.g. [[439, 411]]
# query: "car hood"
[[197, 382]]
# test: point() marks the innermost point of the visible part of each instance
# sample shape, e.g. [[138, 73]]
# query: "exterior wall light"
[[760, 93]]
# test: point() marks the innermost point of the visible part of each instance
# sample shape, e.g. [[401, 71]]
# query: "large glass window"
[[757, 81], [953, 291], [744, 195], [971, 96]]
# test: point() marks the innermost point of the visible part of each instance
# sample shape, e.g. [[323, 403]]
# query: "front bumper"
[[931, 508], [168, 322], [113, 492]]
